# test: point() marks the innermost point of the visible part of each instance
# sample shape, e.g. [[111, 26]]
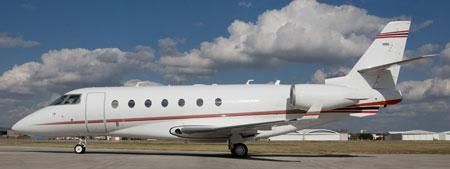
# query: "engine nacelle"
[[328, 96]]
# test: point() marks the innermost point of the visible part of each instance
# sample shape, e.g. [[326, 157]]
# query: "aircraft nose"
[[20, 127], [25, 125], [30, 124]]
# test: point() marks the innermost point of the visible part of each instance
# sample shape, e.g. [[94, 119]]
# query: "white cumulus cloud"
[[420, 26], [320, 75], [140, 83], [446, 52], [8, 41], [68, 68], [303, 31], [416, 90]]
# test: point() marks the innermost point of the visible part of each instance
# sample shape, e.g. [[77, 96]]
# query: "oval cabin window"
[[115, 104], [218, 101], [164, 103], [181, 102], [199, 102], [131, 103], [148, 103]]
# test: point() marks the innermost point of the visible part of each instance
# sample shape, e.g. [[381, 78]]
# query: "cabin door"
[[95, 113]]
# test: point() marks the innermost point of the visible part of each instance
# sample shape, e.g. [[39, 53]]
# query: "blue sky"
[[99, 24], [43, 26], [103, 24]]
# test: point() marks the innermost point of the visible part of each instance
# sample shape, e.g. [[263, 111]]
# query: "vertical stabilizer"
[[388, 47]]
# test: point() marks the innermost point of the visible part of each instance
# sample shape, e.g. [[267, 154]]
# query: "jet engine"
[[324, 97]]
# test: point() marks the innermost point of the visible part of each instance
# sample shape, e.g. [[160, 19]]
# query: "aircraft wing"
[[210, 132]]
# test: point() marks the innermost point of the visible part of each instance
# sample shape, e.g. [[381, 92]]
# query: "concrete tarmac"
[[12, 157]]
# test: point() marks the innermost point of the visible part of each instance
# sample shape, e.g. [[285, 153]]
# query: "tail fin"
[[388, 48]]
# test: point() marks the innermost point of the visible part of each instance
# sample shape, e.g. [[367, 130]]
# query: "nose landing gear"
[[80, 148]]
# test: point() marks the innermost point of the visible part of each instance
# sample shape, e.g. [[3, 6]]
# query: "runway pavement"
[[13, 157]]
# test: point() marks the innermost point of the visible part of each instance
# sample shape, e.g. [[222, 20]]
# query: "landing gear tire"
[[79, 149], [239, 150]]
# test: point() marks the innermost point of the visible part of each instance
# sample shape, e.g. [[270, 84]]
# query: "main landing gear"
[[239, 150], [237, 147], [80, 148]]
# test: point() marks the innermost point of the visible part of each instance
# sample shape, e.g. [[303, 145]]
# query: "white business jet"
[[228, 113]]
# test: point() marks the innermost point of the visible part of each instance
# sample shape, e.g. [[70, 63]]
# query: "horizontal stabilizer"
[[385, 66]]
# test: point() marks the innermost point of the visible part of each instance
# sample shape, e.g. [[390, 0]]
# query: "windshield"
[[67, 99]]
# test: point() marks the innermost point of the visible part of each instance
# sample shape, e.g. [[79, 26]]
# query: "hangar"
[[412, 135], [444, 136], [312, 135]]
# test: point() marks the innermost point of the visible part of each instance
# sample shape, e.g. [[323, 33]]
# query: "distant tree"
[[361, 136]]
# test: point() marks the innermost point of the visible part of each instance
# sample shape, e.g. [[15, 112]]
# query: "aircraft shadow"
[[273, 157]]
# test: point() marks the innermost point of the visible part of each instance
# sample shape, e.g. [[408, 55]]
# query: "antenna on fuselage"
[[277, 82], [249, 81]]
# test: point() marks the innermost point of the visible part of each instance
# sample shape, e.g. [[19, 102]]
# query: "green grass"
[[367, 147]]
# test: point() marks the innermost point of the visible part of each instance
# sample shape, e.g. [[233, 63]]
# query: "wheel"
[[79, 149], [239, 150]]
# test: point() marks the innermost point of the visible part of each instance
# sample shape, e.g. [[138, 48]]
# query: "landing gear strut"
[[80, 148]]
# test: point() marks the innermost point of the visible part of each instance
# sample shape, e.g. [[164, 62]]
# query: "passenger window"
[[181, 102], [114, 104], [218, 101], [131, 103], [199, 102], [164, 103], [148, 103]]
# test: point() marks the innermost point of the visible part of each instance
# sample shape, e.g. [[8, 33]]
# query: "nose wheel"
[[80, 148]]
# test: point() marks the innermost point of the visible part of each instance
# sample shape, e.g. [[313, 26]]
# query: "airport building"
[[312, 135], [444, 136], [413, 135]]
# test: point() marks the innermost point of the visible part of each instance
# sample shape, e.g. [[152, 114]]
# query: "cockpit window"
[[67, 99], [59, 100], [72, 99]]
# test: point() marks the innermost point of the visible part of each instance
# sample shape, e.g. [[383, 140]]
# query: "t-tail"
[[379, 66]]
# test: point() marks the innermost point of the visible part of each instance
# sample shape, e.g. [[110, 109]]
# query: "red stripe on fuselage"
[[204, 116], [282, 112], [181, 117]]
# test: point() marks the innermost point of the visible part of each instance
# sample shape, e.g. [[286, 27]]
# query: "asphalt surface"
[[12, 157]]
